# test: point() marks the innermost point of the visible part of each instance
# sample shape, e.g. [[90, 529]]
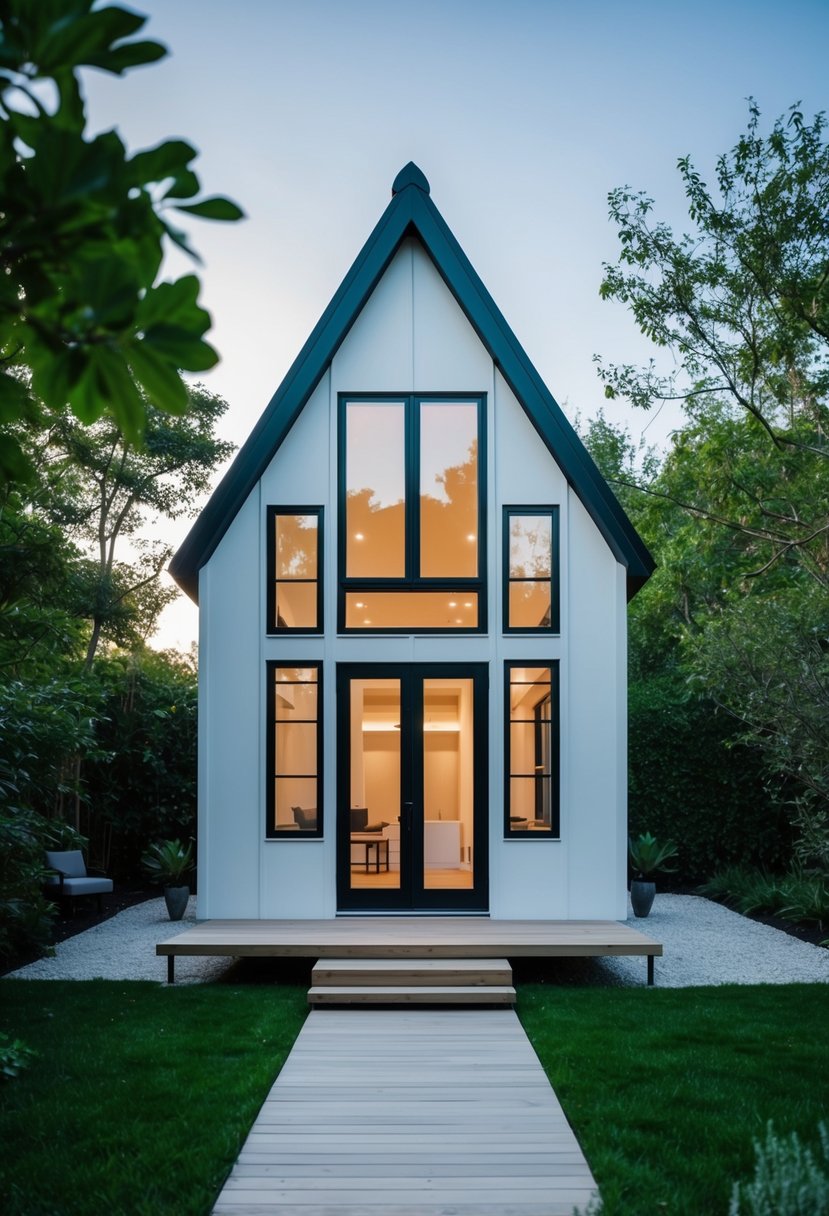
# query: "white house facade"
[[412, 586]]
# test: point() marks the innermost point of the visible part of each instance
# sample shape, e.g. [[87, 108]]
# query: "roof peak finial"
[[410, 175]]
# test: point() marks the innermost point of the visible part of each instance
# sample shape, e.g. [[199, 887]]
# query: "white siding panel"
[[299, 472], [230, 730], [448, 354], [376, 356], [593, 794]]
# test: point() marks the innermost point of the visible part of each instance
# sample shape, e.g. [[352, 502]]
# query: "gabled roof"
[[411, 212]]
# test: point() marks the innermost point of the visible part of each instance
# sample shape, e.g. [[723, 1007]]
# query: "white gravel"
[[703, 942]]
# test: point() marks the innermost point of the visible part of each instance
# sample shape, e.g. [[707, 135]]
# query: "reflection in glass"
[[296, 571], [449, 610], [448, 489], [374, 807], [530, 605], [529, 541], [530, 749], [375, 483], [448, 784]]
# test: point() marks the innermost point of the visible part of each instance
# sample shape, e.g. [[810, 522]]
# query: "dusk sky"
[[522, 115]]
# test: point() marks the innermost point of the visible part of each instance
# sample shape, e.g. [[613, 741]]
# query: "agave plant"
[[647, 855], [168, 861]]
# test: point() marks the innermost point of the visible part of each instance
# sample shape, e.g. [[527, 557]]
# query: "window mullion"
[[413, 490]]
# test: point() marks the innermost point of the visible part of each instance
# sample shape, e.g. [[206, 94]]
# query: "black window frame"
[[273, 628], [271, 830], [412, 582], [535, 834], [553, 511]]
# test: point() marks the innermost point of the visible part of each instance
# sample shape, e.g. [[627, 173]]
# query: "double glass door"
[[412, 782]]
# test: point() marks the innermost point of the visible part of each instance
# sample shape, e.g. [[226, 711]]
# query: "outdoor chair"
[[71, 878]]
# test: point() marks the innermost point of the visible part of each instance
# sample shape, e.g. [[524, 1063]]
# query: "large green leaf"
[[168, 159], [216, 208], [181, 347], [161, 381]]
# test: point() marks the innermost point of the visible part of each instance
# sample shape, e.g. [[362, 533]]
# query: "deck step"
[[412, 994], [411, 972]]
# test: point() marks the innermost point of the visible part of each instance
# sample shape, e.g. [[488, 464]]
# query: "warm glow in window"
[[295, 750], [531, 745]]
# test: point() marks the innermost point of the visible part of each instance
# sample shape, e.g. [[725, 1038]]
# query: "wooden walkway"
[[410, 1113], [409, 937]]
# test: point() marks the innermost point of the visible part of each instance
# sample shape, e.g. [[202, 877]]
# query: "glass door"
[[411, 824]]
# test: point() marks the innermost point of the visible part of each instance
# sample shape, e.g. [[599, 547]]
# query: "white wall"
[[412, 337]]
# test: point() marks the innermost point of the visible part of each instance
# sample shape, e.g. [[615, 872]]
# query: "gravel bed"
[[704, 943]]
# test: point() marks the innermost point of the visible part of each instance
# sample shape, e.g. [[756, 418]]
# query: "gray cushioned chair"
[[71, 877]]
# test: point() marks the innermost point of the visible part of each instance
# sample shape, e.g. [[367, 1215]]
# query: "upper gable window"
[[411, 513], [531, 574], [294, 569]]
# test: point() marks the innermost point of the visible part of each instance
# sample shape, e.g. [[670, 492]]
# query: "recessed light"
[[366, 621], [453, 603], [359, 536], [467, 604], [471, 536], [359, 604], [458, 620]]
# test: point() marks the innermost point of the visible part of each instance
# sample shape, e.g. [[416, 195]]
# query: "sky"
[[523, 115]]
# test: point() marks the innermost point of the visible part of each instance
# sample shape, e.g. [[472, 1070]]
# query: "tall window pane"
[[294, 570], [532, 750], [294, 751], [375, 490], [448, 489], [531, 598]]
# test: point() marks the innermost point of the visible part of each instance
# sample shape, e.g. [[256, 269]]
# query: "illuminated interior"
[[295, 748], [530, 571], [296, 565], [445, 751], [530, 750]]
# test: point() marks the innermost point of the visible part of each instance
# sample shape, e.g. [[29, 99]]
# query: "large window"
[[412, 513], [532, 735], [531, 585], [294, 569], [294, 750]]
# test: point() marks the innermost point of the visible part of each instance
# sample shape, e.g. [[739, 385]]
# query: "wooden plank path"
[[410, 1113]]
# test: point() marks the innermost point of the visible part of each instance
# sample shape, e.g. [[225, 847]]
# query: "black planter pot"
[[641, 896], [176, 900]]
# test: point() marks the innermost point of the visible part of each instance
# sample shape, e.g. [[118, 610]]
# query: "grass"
[[140, 1097], [666, 1089]]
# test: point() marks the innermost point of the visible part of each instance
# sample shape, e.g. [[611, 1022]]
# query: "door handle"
[[407, 808]]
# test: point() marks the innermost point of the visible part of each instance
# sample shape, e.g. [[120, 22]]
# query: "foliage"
[[688, 781], [787, 1181], [147, 788], [144, 1094], [799, 895], [82, 233], [100, 487], [648, 856], [168, 862], [14, 1057], [666, 1105]]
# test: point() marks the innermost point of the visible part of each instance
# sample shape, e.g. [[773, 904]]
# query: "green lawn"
[[140, 1097], [665, 1089]]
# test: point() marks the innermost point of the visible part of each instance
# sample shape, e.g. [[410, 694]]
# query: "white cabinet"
[[442, 844]]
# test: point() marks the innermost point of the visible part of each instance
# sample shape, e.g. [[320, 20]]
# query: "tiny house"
[[412, 586]]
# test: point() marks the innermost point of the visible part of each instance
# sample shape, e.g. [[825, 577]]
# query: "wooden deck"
[[409, 937], [380, 1113]]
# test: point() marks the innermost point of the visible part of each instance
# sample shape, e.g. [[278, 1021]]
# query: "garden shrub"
[[788, 1180], [689, 782]]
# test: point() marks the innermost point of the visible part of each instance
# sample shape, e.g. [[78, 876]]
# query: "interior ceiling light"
[[471, 536], [467, 603], [359, 604], [359, 536], [453, 603]]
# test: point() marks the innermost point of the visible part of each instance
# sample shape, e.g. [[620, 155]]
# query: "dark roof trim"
[[411, 212]]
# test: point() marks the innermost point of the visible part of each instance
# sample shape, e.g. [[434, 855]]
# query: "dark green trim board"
[[411, 213]]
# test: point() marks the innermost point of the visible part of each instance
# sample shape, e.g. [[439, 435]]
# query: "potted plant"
[[647, 856], [168, 862]]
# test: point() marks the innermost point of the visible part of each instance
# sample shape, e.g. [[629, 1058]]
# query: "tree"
[[102, 487], [82, 234], [741, 303]]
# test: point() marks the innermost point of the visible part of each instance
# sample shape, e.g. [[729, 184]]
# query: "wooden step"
[[415, 994], [411, 972]]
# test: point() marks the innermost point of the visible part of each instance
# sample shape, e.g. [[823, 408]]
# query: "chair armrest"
[[60, 874]]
